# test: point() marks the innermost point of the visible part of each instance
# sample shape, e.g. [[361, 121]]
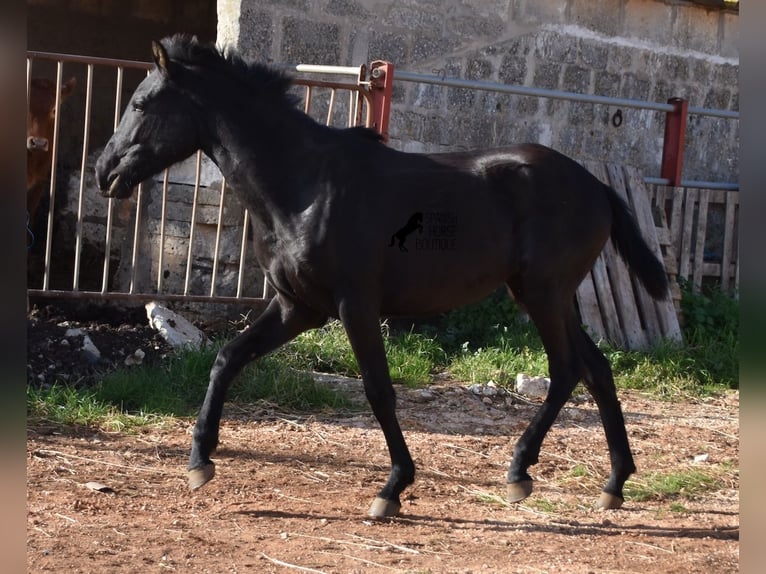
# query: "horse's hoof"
[[518, 491], [199, 476], [609, 501], [382, 508]]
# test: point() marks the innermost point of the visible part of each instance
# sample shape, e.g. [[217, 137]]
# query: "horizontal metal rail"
[[553, 94], [515, 89]]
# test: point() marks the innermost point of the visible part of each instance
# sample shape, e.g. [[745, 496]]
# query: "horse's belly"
[[430, 279]]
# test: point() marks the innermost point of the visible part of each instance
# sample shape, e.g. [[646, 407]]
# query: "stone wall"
[[642, 49]]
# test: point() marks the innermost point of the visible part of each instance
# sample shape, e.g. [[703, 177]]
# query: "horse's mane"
[[187, 50]]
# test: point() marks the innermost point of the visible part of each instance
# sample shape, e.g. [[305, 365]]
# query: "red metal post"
[[675, 139], [381, 84]]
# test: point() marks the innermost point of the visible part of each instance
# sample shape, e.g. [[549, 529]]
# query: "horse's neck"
[[268, 164]]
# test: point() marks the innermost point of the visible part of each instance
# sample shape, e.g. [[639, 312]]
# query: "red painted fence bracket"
[[675, 139], [381, 84]]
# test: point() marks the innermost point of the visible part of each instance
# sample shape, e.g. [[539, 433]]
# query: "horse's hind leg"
[[600, 383], [553, 319], [363, 328], [279, 323]]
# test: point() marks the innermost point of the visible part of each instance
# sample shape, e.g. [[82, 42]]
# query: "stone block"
[[479, 69], [390, 46], [648, 20], [607, 84], [430, 47], [546, 75], [730, 35], [537, 12], [309, 42], [347, 9], [576, 79], [696, 29], [255, 37], [472, 26], [593, 54], [602, 16], [635, 87], [410, 17], [513, 69]]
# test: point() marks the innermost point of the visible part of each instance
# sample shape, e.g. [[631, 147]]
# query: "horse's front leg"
[[278, 324], [363, 328]]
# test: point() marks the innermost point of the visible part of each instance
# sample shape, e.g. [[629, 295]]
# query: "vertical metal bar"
[[29, 78], [136, 236], [163, 215], [54, 161], [83, 173], [351, 108], [330, 107], [674, 141], [193, 223], [307, 104], [110, 205], [242, 252], [217, 239]]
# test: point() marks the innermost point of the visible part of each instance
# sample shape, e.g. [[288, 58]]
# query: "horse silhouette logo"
[[414, 223]]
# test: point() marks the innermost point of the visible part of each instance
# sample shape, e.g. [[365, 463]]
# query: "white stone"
[[174, 328], [532, 386]]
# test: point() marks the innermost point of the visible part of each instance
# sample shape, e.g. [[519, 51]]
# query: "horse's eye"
[[138, 106]]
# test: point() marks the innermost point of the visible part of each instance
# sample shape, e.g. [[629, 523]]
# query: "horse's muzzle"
[[37, 144]]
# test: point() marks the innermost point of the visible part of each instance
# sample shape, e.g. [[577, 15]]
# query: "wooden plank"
[[728, 240], [627, 307], [590, 313], [606, 303], [699, 247], [684, 254], [636, 193], [676, 219], [660, 319]]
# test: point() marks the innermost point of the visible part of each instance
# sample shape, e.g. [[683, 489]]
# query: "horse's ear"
[[160, 56]]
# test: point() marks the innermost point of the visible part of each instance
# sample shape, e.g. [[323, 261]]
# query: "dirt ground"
[[292, 491]]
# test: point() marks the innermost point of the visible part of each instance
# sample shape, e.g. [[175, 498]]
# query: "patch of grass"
[[684, 484], [500, 363], [270, 380], [412, 357], [176, 387], [326, 350], [69, 406]]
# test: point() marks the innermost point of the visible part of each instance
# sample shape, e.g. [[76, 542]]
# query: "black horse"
[[324, 202]]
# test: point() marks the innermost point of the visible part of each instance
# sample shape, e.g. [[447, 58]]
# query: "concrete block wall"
[[642, 49]]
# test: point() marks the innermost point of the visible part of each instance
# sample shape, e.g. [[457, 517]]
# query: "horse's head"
[[41, 116], [159, 128]]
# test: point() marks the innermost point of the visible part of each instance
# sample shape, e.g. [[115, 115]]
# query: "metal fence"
[[159, 244], [183, 237]]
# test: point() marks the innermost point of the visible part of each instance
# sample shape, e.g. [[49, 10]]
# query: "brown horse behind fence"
[[41, 118]]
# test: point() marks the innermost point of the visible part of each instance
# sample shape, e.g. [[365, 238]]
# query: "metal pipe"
[[54, 161], [193, 223], [727, 186], [83, 172], [163, 216], [217, 247], [110, 203], [554, 94]]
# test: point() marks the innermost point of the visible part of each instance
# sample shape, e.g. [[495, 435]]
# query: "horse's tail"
[[634, 250]]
